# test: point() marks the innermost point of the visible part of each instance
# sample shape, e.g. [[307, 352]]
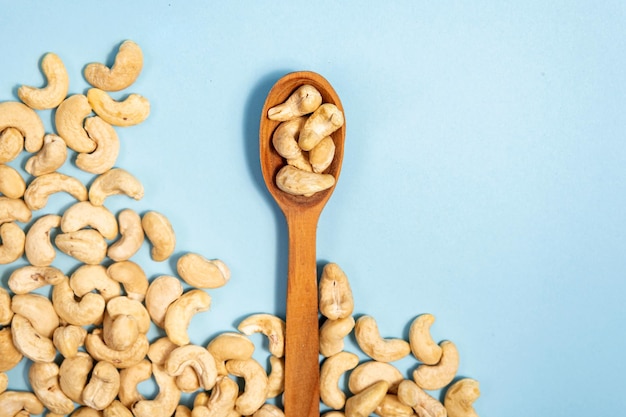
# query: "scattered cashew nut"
[[107, 147], [365, 402], [12, 184], [271, 326], [102, 387], [44, 380], [424, 404], [423, 347], [131, 111], [180, 313], [369, 340], [433, 377], [160, 233], [69, 118], [29, 278], [125, 70], [11, 144], [227, 346], [370, 372], [131, 276], [255, 384], [12, 241], [332, 370], [113, 182], [38, 191], [460, 397], [14, 209], [54, 92], [26, 121], [162, 292], [200, 272], [336, 300], [131, 239], [85, 245], [333, 333]]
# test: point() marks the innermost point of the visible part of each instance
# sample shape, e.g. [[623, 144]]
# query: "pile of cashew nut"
[[303, 139], [83, 336]]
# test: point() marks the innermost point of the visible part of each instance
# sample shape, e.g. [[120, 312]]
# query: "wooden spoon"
[[301, 397]]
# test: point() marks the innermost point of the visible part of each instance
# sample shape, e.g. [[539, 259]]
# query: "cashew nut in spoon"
[[84, 214], [276, 377], [87, 310], [130, 111], [37, 309], [367, 373], [365, 402], [125, 70], [39, 190], [422, 403], [29, 342], [6, 313], [297, 181], [107, 147], [131, 239], [14, 209], [69, 122], [132, 277], [130, 378], [44, 380], [12, 184], [336, 300], [200, 272], [95, 346], [26, 121], [68, 339], [271, 326], [437, 376], [380, 349], [180, 313], [13, 402], [12, 241], [255, 384], [29, 278], [332, 370], [333, 334], [88, 278], [304, 100], [37, 247], [10, 356], [114, 182], [326, 119], [102, 387], [423, 347], [460, 397], [85, 245], [196, 357], [11, 144], [160, 233], [285, 138], [165, 402], [57, 85], [322, 154], [162, 292], [227, 346], [391, 406]]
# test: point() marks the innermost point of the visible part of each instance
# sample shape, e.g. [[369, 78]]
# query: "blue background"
[[483, 179]]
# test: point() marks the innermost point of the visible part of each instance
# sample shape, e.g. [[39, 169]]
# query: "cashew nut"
[[67, 339], [221, 401], [29, 342], [322, 155], [132, 277], [94, 343], [166, 401], [299, 182], [269, 410], [255, 384], [276, 377], [87, 278], [69, 118], [12, 241], [160, 233], [324, 121], [423, 347], [120, 332], [58, 83], [162, 292], [131, 111], [196, 357], [391, 406], [131, 238], [305, 99], [160, 349], [182, 411], [85, 245], [89, 309], [10, 356], [271, 326], [13, 402], [422, 403], [365, 402], [130, 378], [12, 184], [26, 120], [125, 70], [11, 144], [38, 191], [113, 182], [117, 409], [125, 305], [333, 333], [460, 397], [6, 314], [227, 346], [14, 209], [285, 138], [433, 377], [84, 214], [37, 309], [107, 147], [301, 162], [336, 300], [37, 246], [44, 380], [50, 157], [29, 278], [332, 370], [188, 380], [200, 272], [180, 313], [367, 373], [102, 387], [4, 382], [377, 348]]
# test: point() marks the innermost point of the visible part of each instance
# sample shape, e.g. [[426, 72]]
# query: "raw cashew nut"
[[276, 377], [11, 144], [12, 241], [200, 272], [131, 238], [4, 382], [37, 247], [84, 214], [6, 314], [102, 387], [10, 356], [285, 138], [271, 326], [13, 402], [49, 158], [14, 209], [180, 313], [255, 384], [221, 402], [96, 347], [89, 309], [162, 292], [29, 278], [377, 348], [130, 378], [125, 70], [26, 120], [332, 370], [87, 412], [460, 397], [132, 277], [299, 182], [124, 305], [333, 333], [336, 300], [433, 377], [391, 406], [196, 357], [44, 380], [29, 342], [423, 347], [120, 332], [67, 339], [423, 404], [12, 184], [37, 309], [38, 191], [322, 155], [131, 111], [69, 118], [85, 245], [370, 372], [227, 346], [113, 182], [117, 409], [160, 349], [365, 402], [166, 401], [160, 233], [107, 147], [305, 99], [269, 410], [58, 83], [324, 121], [88, 278]]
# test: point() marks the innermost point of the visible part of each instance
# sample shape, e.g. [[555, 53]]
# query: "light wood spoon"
[[301, 396]]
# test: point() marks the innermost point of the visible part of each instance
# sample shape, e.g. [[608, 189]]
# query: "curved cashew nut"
[[422, 344], [37, 247], [269, 410], [391, 406], [124, 305], [285, 138], [6, 313], [69, 118], [271, 326], [11, 144], [131, 111], [196, 357], [13, 402], [255, 384], [200, 272], [29, 278], [87, 278], [129, 380], [12, 184], [423, 404], [324, 121], [180, 313], [365, 402], [132, 277], [87, 412], [160, 233], [433, 377], [336, 300], [38, 191], [131, 238], [58, 83], [37, 309], [12, 241], [10, 356], [102, 387], [221, 402], [84, 214], [44, 380], [50, 157], [162, 292], [322, 155], [120, 332], [125, 70], [297, 181], [117, 409], [166, 400], [67, 339], [14, 209], [276, 377], [29, 342], [305, 99], [332, 370], [370, 372], [107, 147], [113, 182], [88, 310], [26, 120], [333, 333], [460, 397], [160, 349], [369, 340], [94, 343], [227, 346], [85, 245]]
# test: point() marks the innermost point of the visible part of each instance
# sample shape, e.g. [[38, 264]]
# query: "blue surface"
[[483, 179]]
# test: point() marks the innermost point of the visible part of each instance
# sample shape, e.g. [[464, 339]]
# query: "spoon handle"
[[301, 397]]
